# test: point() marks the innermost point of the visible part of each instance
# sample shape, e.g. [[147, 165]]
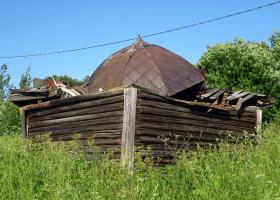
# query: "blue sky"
[[33, 26]]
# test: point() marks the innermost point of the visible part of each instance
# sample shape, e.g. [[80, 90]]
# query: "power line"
[[145, 36]]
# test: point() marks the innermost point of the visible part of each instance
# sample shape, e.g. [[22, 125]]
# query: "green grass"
[[54, 171]]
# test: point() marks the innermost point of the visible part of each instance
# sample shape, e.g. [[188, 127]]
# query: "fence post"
[[128, 128]]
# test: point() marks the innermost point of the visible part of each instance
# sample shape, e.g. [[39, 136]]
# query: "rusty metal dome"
[[146, 65]]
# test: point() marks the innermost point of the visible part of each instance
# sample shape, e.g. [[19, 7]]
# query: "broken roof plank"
[[218, 94], [241, 101], [233, 97], [209, 93]]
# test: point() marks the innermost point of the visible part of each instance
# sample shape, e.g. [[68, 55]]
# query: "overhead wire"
[[145, 36]]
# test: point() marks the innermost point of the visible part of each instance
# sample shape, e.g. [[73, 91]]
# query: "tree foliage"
[[4, 82], [9, 114], [244, 65], [9, 118], [67, 80], [25, 80]]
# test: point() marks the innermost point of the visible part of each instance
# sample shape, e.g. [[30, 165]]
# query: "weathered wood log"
[[128, 128], [78, 129], [85, 142], [91, 122], [187, 136], [88, 135], [60, 121], [154, 140], [147, 109], [75, 99], [76, 107], [186, 128], [86, 111], [191, 122], [178, 107]]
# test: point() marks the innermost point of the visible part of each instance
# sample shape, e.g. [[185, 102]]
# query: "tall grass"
[[59, 171]]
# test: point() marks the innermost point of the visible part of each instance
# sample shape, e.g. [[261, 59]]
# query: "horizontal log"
[[89, 136], [186, 136], [86, 111], [78, 129], [98, 142], [75, 99], [60, 121], [91, 122], [182, 128], [76, 106], [154, 140], [172, 111], [178, 104], [192, 122]]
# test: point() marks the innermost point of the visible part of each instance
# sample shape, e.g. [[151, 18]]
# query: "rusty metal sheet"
[[146, 65]]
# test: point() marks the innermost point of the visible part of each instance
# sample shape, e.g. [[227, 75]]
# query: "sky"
[[33, 26]]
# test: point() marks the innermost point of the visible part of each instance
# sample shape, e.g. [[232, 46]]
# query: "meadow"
[[47, 170]]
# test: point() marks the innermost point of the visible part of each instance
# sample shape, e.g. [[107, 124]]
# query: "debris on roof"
[[44, 90], [229, 100]]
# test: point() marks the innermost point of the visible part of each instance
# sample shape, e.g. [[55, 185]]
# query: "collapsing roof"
[[146, 65], [151, 67], [44, 90]]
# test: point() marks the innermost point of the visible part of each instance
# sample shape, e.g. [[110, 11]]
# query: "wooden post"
[[258, 120], [258, 124], [128, 129], [23, 123]]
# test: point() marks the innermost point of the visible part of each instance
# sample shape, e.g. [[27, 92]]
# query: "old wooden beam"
[[24, 128], [128, 129]]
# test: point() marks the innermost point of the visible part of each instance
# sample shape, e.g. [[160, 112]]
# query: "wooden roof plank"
[[233, 97], [209, 93], [218, 94], [241, 101]]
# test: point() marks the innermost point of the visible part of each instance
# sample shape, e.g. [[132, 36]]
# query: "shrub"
[[9, 118]]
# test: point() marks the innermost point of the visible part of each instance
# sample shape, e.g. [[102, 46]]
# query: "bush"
[[9, 118], [241, 65]]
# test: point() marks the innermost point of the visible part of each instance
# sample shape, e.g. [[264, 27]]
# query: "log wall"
[[166, 125], [129, 118], [96, 116]]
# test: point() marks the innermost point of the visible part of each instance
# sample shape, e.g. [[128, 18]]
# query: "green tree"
[[86, 79], [243, 65], [4, 82], [67, 80], [9, 114], [25, 80]]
